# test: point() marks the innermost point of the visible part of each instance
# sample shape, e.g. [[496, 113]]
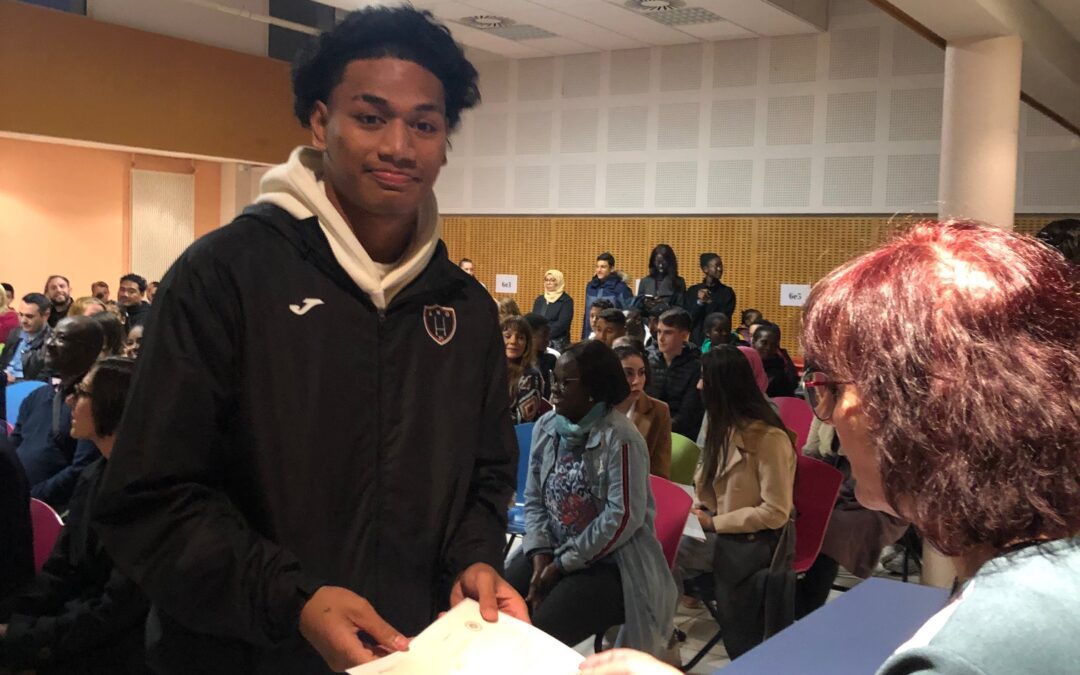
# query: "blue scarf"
[[574, 435]]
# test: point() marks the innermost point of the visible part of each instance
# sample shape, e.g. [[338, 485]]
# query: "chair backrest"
[[684, 459], [672, 508], [797, 416], [46, 525], [524, 439], [15, 395], [816, 487]]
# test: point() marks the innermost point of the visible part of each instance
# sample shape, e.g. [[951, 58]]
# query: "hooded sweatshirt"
[[297, 186]]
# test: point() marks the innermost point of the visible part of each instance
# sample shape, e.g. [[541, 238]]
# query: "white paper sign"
[[506, 283], [793, 295]]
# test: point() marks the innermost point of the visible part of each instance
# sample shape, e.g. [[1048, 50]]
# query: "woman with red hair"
[[962, 415]]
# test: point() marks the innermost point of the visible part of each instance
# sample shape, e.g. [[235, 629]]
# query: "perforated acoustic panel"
[[162, 220], [760, 252]]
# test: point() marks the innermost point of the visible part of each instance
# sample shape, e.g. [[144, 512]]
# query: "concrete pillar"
[[979, 133], [979, 130]]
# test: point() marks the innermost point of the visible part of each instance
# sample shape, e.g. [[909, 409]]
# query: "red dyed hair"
[[961, 340]]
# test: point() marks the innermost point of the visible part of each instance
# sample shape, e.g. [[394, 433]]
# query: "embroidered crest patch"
[[440, 323]]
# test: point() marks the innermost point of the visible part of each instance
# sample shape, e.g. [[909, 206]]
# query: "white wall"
[[844, 122]]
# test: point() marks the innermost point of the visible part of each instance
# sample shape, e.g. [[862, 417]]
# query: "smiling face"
[[129, 294], [82, 417], [550, 283], [603, 269], [765, 344], [58, 291], [516, 343], [383, 133]]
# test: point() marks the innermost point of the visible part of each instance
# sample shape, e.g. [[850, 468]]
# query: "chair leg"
[[509, 545], [598, 643], [701, 654]]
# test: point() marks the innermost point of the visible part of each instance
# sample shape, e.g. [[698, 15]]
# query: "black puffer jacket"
[[304, 444], [676, 385]]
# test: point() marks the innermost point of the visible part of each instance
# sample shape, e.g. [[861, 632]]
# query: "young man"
[[467, 267], [717, 332], [58, 291], [334, 466], [598, 308], [132, 298], [676, 367], [610, 325], [708, 297], [23, 357], [606, 284]]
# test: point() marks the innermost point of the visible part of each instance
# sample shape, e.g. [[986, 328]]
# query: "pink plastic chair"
[[46, 524], [797, 416], [816, 487], [672, 508]]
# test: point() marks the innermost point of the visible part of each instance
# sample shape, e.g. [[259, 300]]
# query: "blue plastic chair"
[[515, 526], [15, 395]]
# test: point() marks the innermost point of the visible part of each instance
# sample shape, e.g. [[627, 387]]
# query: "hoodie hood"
[[297, 186]]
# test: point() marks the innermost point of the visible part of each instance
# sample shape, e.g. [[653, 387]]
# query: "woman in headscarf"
[[557, 307]]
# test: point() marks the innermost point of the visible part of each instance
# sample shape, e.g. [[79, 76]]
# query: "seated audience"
[[545, 356], [598, 307], [607, 284], [783, 376], [508, 307], [114, 334], [1064, 235], [855, 535], [16, 537], [651, 417], [610, 325], [9, 316], [744, 486], [51, 458], [591, 558], [80, 614], [133, 342], [709, 297], [717, 332], [100, 290], [982, 464], [760, 379], [526, 383], [663, 283], [58, 291], [676, 369], [86, 306], [23, 357], [132, 298], [747, 320], [557, 307]]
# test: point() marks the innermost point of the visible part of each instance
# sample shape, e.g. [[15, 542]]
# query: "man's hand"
[[482, 583], [703, 295], [331, 620], [624, 662]]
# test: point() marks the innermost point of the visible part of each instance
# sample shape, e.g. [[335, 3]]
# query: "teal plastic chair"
[[684, 459]]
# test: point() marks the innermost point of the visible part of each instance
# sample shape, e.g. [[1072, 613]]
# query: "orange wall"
[[65, 210], [67, 76]]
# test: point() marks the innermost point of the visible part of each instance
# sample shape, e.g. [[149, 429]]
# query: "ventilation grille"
[[504, 27], [672, 12]]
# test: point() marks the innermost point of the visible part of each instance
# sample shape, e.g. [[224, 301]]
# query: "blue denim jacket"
[[617, 464]]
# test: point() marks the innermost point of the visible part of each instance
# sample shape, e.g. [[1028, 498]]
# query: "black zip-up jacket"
[[302, 445], [559, 315], [676, 385], [722, 300]]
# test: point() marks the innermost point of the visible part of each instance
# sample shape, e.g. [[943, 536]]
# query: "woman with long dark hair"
[[663, 283], [743, 490], [526, 382]]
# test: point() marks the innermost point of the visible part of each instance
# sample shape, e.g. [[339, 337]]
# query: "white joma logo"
[[301, 310]]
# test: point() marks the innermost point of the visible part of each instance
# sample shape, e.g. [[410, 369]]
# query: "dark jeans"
[[581, 605]]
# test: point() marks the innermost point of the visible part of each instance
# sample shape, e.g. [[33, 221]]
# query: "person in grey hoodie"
[[304, 513]]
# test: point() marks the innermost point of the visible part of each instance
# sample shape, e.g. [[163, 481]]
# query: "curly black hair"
[[380, 32]]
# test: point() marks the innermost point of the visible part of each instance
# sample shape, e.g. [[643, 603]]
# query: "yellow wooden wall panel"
[[760, 252]]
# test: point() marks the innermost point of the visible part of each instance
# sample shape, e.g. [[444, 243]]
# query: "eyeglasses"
[[821, 393], [79, 391], [561, 384]]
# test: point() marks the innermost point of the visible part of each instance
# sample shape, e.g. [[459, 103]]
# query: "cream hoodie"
[[297, 187]]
